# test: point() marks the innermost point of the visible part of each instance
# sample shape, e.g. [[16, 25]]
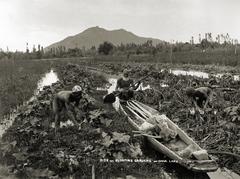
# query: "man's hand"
[[67, 106], [134, 87], [206, 103], [198, 108]]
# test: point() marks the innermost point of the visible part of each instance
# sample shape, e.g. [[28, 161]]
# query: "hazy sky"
[[48, 21]]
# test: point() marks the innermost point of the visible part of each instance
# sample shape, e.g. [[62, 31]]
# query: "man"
[[126, 86], [63, 100], [200, 97]]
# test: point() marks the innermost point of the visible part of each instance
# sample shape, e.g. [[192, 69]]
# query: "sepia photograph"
[[119, 89]]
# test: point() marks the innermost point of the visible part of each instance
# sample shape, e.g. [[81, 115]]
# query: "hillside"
[[96, 35]]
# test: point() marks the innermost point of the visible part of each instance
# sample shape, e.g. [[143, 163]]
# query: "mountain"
[[95, 35]]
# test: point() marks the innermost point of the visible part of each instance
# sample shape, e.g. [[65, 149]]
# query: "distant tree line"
[[208, 43]]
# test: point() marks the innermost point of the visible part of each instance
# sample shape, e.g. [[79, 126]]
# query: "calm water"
[[200, 74], [113, 84], [190, 73], [49, 78]]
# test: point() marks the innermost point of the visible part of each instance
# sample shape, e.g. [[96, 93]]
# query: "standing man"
[[63, 100]]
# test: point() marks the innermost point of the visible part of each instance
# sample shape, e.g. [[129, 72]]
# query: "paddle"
[[111, 98]]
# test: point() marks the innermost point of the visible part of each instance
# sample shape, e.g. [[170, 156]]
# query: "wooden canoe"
[[137, 113]]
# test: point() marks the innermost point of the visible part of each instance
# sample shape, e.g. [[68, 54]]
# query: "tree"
[[192, 40], [210, 37], [34, 49], [27, 50], [205, 44], [105, 48], [199, 38]]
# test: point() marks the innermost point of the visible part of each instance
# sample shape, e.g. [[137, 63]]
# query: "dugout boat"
[[180, 147]]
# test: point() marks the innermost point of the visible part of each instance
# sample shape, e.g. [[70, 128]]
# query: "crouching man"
[[125, 86], [200, 96], [62, 101]]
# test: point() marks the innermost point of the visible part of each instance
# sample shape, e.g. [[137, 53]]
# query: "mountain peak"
[[100, 28], [94, 36], [94, 28]]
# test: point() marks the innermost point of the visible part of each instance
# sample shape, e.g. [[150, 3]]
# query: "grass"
[[18, 80], [209, 57], [159, 62]]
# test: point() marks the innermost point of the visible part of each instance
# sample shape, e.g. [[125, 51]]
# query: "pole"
[[235, 49], [93, 172], [171, 51]]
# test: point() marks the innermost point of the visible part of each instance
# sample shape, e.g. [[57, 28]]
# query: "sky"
[[47, 21]]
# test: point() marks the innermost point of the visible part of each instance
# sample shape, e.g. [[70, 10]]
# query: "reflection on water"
[[200, 74], [113, 82], [47, 80], [190, 73]]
